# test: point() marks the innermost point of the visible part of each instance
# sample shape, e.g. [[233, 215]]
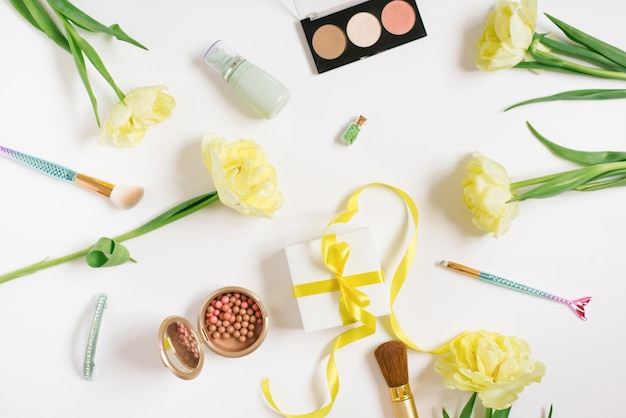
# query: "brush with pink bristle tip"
[[124, 197]]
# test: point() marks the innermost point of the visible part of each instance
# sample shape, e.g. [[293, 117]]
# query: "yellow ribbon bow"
[[351, 300], [334, 256]]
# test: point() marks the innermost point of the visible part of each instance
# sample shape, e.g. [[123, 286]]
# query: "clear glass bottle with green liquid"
[[353, 130]]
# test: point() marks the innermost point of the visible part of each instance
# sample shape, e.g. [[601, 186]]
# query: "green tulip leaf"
[[586, 94], [42, 21], [93, 57], [107, 253], [23, 10], [501, 413], [469, 407], [80, 66], [580, 157], [609, 51], [580, 52], [81, 19]]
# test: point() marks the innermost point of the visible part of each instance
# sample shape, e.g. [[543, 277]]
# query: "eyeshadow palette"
[[360, 31]]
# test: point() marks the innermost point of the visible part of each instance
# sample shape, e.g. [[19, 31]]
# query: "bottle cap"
[[222, 58]]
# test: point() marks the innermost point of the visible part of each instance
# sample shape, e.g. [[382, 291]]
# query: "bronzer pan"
[[341, 34], [232, 323]]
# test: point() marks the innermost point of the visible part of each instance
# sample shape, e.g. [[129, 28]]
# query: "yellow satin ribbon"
[[334, 255], [351, 300]]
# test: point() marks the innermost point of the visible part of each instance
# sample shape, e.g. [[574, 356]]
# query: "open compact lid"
[[181, 349], [314, 9]]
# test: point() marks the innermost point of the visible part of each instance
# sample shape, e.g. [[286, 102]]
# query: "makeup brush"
[[124, 197], [577, 305], [392, 360]]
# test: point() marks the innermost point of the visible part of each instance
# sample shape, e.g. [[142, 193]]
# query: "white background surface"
[[428, 109]]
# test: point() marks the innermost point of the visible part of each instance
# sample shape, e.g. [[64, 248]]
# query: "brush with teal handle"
[[124, 197], [576, 305]]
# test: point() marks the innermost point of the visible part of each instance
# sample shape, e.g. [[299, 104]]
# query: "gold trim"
[[95, 185]]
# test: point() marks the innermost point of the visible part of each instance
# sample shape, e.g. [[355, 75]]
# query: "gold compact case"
[[232, 323]]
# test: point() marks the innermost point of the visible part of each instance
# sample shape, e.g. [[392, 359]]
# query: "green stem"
[[537, 180], [559, 64], [580, 52], [581, 179], [598, 185], [186, 208], [547, 61]]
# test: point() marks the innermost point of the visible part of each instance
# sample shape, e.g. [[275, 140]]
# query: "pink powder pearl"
[[255, 307], [225, 299], [244, 305], [218, 304], [237, 295], [213, 319]]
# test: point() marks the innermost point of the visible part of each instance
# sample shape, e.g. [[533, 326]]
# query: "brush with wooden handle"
[[392, 360]]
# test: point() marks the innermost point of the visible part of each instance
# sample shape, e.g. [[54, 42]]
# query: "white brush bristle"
[[126, 197]]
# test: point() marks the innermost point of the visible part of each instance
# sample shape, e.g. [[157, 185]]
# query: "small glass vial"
[[353, 130], [256, 87]]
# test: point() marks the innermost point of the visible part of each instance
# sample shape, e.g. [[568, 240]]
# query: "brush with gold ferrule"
[[124, 197], [392, 360]]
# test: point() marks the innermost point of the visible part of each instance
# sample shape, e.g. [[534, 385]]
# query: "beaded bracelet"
[[92, 337]]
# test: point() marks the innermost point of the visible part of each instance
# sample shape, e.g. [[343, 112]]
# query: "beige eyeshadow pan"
[[329, 41], [363, 29]]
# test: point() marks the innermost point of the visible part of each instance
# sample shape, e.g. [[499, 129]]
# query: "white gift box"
[[322, 310]]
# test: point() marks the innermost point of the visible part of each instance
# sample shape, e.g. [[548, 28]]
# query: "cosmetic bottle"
[[256, 87], [353, 130]]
